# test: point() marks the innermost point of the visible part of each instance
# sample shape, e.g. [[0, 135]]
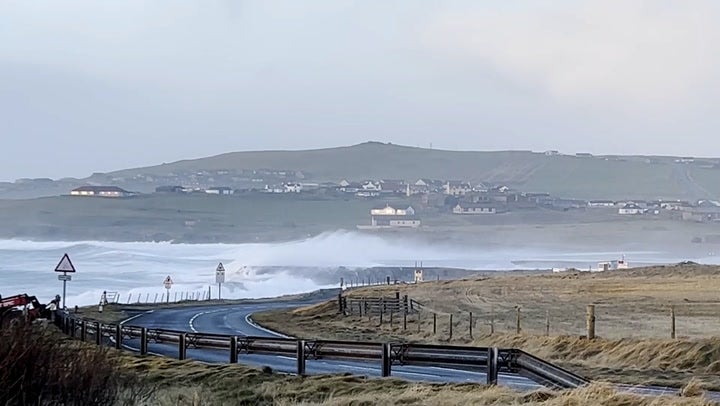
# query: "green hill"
[[562, 175]]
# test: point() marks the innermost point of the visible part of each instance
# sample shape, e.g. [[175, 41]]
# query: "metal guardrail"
[[489, 360]]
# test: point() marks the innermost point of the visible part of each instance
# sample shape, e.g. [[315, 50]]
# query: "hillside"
[[567, 176]]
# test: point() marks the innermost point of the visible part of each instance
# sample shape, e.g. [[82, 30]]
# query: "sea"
[[137, 270]]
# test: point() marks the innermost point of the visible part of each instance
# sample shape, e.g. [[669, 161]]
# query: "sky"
[[91, 86]]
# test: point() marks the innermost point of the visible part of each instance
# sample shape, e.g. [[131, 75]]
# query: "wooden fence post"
[[471, 326], [434, 323], [672, 322], [451, 326], [590, 322], [517, 321], [547, 323], [492, 321], [404, 321]]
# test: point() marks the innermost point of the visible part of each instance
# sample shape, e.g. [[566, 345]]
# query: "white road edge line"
[[136, 316], [250, 321], [192, 320]]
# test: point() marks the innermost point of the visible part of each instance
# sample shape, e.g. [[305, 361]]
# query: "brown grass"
[[162, 381], [630, 304], [193, 383]]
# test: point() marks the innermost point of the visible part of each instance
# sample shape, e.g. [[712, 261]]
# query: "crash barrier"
[[366, 306], [489, 360]]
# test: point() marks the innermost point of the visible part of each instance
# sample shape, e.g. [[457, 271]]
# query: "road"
[[236, 320]]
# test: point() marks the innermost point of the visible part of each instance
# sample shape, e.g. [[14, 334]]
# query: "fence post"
[[182, 348], [143, 341], [388, 280], [98, 333], [404, 321], [547, 323], [517, 322], [386, 360], [418, 322], [672, 321], [492, 321], [83, 330], [118, 336], [391, 319], [590, 322], [471, 326], [233, 350], [301, 357], [72, 328], [451, 326], [340, 303], [492, 366], [434, 323], [381, 316]]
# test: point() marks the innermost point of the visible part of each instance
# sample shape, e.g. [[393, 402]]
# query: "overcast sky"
[[101, 85]]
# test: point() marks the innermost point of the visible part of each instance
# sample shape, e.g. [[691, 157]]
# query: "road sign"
[[65, 265], [220, 274], [168, 282], [65, 278]]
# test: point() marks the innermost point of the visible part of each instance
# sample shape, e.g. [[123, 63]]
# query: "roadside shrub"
[[38, 366]]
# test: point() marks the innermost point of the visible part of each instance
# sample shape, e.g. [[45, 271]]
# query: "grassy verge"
[[40, 366], [632, 321]]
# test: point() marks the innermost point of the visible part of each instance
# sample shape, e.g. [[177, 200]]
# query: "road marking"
[[249, 321], [192, 320], [136, 316]]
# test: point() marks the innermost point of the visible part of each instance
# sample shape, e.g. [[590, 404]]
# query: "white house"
[[292, 187], [391, 211], [219, 190], [601, 203], [371, 186], [631, 209], [456, 188], [467, 208], [100, 191]]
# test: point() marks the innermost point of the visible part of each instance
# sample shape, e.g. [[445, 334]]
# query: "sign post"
[[65, 266], [220, 278], [168, 282]]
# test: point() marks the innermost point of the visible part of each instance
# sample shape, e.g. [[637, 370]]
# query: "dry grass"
[[193, 383], [632, 320]]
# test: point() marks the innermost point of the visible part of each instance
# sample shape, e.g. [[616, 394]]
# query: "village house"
[[631, 209], [601, 203], [388, 210], [100, 191], [292, 188], [219, 190], [457, 188], [392, 186], [388, 217], [474, 208]]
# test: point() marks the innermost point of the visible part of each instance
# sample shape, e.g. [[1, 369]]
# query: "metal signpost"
[[220, 278], [64, 266], [168, 282]]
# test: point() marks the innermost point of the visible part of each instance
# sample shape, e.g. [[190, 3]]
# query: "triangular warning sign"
[[65, 265], [220, 268]]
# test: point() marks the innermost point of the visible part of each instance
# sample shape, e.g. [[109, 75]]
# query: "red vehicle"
[[15, 306]]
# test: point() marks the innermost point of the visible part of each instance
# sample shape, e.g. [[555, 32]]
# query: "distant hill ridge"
[[611, 177]]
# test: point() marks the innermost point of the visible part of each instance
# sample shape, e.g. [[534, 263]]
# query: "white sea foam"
[[138, 268]]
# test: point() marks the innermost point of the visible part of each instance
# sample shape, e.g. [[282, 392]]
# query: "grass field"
[[632, 311]]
